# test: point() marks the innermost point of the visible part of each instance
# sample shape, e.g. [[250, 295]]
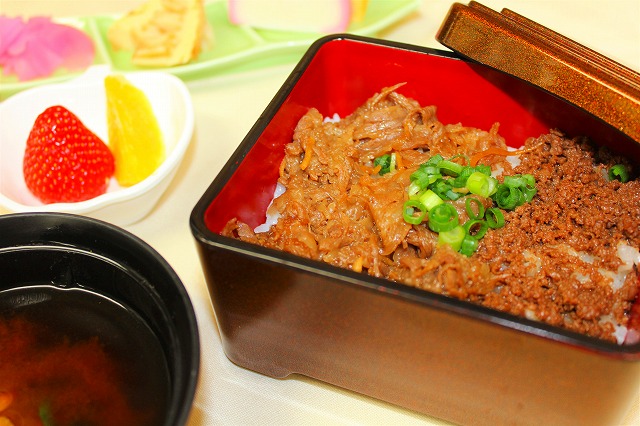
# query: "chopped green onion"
[[452, 237], [469, 208], [461, 180], [382, 161], [481, 184], [435, 160], [443, 217], [514, 181], [413, 189], [508, 197], [453, 195], [494, 218], [529, 193], [524, 184], [424, 177], [438, 180], [485, 169], [619, 172], [431, 170], [413, 212], [386, 162], [450, 168], [441, 187], [425, 181], [529, 190], [429, 199], [529, 180], [475, 228], [469, 245], [520, 181]]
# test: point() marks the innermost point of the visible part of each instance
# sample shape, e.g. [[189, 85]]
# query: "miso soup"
[[69, 356]]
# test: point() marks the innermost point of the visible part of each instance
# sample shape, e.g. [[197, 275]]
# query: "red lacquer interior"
[[344, 73]]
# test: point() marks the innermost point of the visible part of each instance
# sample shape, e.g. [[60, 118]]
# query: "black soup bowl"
[[95, 326]]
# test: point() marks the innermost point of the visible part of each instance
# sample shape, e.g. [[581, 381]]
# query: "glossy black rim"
[[129, 252]]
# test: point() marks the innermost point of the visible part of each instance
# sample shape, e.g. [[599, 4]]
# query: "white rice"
[[272, 216], [333, 119]]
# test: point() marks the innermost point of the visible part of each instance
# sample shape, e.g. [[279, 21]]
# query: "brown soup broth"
[[69, 356]]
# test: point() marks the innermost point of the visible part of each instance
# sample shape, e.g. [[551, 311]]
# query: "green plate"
[[235, 49]]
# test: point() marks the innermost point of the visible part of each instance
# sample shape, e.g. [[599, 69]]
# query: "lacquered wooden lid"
[[523, 48]]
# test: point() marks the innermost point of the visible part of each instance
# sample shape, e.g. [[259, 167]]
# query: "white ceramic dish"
[[85, 97]]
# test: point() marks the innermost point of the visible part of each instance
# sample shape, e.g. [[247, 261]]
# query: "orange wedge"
[[135, 137]]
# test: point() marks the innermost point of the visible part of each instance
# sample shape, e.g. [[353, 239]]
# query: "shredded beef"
[[555, 260]]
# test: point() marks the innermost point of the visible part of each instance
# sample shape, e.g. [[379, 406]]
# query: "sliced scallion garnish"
[[430, 199], [386, 162], [508, 197], [439, 180], [494, 218], [452, 237], [476, 228], [481, 184], [619, 172], [469, 245], [450, 168], [413, 212], [479, 207], [443, 217]]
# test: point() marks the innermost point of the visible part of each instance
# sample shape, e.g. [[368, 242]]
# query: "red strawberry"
[[64, 161]]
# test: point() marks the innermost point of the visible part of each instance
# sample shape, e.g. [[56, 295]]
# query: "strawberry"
[[64, 161]]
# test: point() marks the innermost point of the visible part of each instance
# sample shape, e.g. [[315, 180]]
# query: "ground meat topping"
[[568, 258]]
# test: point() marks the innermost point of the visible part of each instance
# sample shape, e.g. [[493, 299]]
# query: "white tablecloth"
[[226, 107]]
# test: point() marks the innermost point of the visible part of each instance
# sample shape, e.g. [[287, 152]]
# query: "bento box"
[[280, 314]]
